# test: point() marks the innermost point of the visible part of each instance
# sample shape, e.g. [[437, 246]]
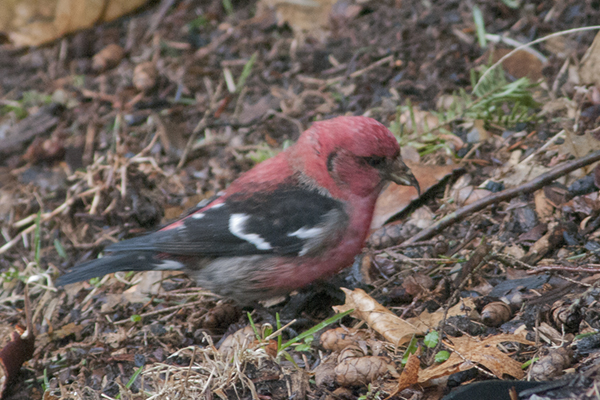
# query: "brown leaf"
[[532, 235], [66, 330], [393, 328], [469, 194], [30, 24], [589, 70], [312, 17], [426, 320], [240, 338], [468, 350], [395, 197], [476, 258], [579, 146], [521, 64], [410, 373], [415, 284], [550, 241], [557, 193], [222, 315], [18, 349]]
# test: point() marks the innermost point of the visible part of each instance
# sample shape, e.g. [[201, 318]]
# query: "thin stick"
[[549, 143], [529, 187], [355, 74], [164, 310], [501, 60], [456, 295], [515, 43], [45, 217], [201, 126]]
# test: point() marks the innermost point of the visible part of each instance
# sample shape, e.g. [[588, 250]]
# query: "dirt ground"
[[116, 130]]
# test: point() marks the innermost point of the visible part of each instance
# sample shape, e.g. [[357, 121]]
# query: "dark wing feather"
[[288, 221], [126, 261]]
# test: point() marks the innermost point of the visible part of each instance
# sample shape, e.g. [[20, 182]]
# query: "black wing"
[[287, 221]]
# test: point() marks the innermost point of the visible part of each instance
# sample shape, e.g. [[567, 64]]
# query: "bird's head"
[[358, 153]]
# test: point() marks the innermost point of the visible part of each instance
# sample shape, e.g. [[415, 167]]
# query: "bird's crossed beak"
[[399, 173]]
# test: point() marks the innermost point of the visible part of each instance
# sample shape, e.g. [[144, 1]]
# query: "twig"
[[511, 261], [201, 126], [515, 43], [212, 46], [45, 217], [456, 295], [554, 138], [570, 268], [158, 17], [575, 281], [501, 60], [471, 152], [189, 371], [164, 310], [355, 74], [405, 245], [561, 77], [436, 260], [529, 187]]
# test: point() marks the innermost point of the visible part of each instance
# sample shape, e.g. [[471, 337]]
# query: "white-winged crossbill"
[[293, 219]]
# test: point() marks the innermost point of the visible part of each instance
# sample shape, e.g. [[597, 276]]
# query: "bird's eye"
[[375, 161]]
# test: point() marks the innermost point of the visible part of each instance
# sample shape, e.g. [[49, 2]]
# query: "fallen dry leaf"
[[19, 347], [579, 146], [308, 16], [426, 320], [589, 70], [325, 372], [108, 57], [468, 350], [395, 198], [543, 206], [144, 76], [237, 340], [551, 240], [31, 23], [469, 194], [393, 328], [415, 284], [410, 373], [516, 172], [521, 64]]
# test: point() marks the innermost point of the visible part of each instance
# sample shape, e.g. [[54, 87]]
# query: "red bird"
[[295, 218]]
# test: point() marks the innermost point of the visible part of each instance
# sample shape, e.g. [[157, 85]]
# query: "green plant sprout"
[[495, 101], [302, 342]]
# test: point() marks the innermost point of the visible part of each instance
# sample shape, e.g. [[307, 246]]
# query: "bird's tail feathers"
[[131, 261]]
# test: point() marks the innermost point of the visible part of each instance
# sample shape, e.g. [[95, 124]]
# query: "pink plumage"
[[293, 219]]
